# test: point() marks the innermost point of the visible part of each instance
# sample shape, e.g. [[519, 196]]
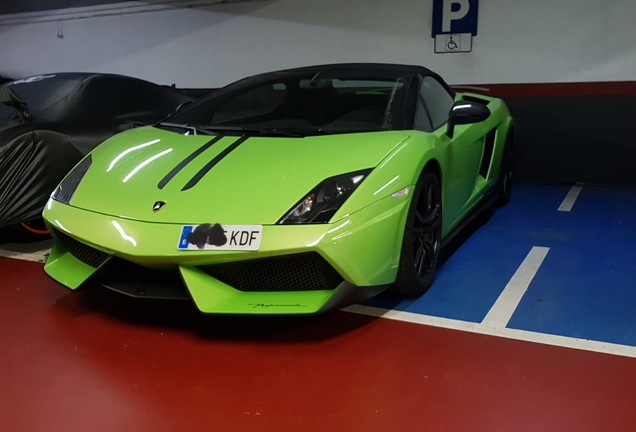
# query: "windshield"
[[303, 103]]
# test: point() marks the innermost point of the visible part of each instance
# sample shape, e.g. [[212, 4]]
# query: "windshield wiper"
[[190, 130], [230, 129], [291, 132]]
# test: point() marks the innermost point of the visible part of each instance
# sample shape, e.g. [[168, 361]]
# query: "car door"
[[463, 151]]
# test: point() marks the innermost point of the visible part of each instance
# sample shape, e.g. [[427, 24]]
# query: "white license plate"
[[220, 237]]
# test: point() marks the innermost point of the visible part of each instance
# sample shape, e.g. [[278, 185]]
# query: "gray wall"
[[201, 44], [11, 7]]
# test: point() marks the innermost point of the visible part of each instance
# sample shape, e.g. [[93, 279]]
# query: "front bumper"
[[362, 249]]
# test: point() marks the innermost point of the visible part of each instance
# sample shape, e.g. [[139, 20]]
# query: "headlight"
[[319, 205], [64, 192]]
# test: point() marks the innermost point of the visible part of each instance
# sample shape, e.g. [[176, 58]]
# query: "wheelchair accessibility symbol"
[[451, 44]]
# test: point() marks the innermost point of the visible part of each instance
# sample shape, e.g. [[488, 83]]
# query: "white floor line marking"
[[521, 335], [36, 252], [509, 299], [570, 198], [36, 257]]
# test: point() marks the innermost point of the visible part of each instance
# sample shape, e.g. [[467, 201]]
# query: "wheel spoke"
[[421, 260], [429, 248], [419, 253], [430, 218], [424, 255]]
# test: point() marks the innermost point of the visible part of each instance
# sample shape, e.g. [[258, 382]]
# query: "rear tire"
[[504, 182], [422, 238]]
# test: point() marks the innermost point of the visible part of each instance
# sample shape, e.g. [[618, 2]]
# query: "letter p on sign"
[[452, 13]]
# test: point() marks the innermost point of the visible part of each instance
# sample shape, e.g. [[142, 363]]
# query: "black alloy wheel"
[[504, 182], [422, 238]]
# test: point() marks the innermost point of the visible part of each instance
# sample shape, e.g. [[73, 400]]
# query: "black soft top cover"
[[384, 70]]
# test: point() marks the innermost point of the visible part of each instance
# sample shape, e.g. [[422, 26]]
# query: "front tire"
[[422, 238]]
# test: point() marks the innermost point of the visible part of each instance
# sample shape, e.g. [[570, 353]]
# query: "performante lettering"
[[269, 305]]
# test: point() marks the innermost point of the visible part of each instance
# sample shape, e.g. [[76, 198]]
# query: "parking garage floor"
[[529, 326]]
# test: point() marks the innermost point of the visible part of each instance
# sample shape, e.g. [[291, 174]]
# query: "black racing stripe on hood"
[[213, 162], [164, 181]]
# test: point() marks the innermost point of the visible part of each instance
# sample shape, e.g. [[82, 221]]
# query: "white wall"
[[518, 41]]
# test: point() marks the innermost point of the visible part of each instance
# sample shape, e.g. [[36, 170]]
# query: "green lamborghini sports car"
[[290, 192]]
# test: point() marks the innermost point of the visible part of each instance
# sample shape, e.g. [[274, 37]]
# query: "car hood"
[[225, 179]]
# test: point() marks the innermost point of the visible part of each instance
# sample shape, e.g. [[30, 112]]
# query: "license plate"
[[220, 237]]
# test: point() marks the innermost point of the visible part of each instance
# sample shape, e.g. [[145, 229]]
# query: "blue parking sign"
[[455, 16]]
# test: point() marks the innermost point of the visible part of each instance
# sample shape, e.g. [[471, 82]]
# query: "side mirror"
[[465, 112]]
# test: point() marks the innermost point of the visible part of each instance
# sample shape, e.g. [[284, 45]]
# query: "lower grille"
[[141, 282], [82, 252], [301, 272]]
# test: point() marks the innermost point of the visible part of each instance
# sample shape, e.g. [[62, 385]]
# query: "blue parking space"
[[586, 286]]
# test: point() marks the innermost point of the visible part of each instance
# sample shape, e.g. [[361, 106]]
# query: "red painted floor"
[[98, 361]]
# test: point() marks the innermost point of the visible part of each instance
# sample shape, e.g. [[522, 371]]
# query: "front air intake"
[[300, 272], [82, 252]]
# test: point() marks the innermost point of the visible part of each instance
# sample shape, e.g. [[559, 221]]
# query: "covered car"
[[49, 122]]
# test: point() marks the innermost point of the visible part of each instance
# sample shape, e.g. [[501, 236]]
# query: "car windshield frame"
[[307, 102]]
